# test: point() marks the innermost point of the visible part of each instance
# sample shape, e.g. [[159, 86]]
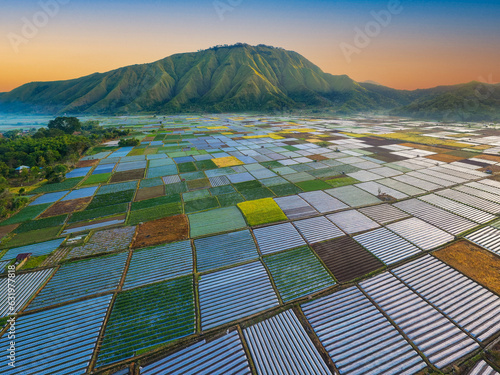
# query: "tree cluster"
[[46, 152], [129, 142]]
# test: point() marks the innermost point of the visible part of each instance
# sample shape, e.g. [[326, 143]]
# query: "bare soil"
[[156, 232], [87, 163], [490, 157], [6, 229], [493, 168], [135, 174], [444, 157], [317, 157], [66, 207], [150, 192], [473, 261]]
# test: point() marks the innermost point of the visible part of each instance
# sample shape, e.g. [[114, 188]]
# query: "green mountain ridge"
[[221, 79]]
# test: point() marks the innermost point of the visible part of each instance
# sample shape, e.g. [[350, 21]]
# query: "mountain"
[[372, 82], [233, 78], [473, 101], [221, 79]]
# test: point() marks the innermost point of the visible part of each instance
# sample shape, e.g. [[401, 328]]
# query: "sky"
[[401, 44]]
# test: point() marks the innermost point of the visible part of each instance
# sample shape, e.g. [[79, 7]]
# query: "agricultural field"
[[259, 245]]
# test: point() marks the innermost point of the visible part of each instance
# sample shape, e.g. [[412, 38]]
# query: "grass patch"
[[153, 213], [231, 199], [111, 199], [99, 212], [27, 213], [32, 225], [148, 203], [219, 190], [34, 262], [177, 188], [262, 211], [39, 235], [285, 189], [204, 165], [342, 181], [201, 204], [313, 185], [258, 193], [68, 184], [97, 179], [186, 167], [241, 186]]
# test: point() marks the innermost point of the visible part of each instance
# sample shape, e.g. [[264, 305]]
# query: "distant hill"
[[371, 82], [221, 79], [473, 101]]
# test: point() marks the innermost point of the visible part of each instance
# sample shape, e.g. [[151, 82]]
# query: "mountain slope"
[[243, 78], [473, 101], [233, 78]]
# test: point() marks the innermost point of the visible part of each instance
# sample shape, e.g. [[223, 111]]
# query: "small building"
[[22, 168], [21, 259], [22, 256]]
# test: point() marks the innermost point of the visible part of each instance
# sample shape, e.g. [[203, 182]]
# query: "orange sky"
[[405, 55]]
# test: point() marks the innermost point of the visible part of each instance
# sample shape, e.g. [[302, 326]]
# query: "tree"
[[128, 142], [35, 172], [56, 173], [25, 173], [69, 125]]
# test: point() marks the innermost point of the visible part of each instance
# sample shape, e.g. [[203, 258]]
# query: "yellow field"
[[227, 161], [261, 211], [413, 137], [27, 189]]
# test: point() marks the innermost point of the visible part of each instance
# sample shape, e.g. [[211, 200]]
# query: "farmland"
[[268, 236]]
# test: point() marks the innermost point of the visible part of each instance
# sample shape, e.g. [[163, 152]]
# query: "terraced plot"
[[346, 259], [74, 327], [224, 355], [438, 338], [281, 344], [81, 279], [104, 242], [358, 338], [224, 250], [469, 305], [236, 293], [25, 286], [297, 273], [151, 265], [167, 306]]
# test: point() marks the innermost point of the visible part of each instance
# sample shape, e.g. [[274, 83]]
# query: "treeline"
[[65, 139], [46, 152]]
